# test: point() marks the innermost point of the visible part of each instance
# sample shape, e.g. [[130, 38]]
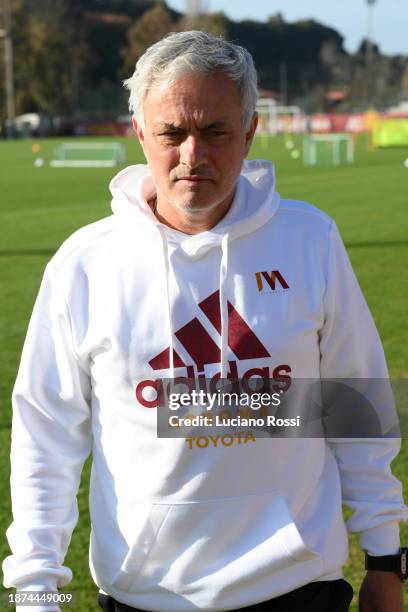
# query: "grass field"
[[40, 207]]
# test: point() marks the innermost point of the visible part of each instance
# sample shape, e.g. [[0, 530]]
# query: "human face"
[[195, 142]]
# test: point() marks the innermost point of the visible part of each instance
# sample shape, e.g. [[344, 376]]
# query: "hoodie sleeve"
[[50, 442], [350, 348]]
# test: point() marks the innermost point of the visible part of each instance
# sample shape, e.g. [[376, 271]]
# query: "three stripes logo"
[[200, 345], [271, 280], [203, 350]]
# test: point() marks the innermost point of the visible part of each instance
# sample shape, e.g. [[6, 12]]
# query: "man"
[[177, 283]]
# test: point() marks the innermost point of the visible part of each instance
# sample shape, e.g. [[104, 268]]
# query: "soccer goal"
[[265, 107], [329, 149], [275, 119], [88, 155]]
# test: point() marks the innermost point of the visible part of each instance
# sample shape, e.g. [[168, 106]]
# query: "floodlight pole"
[[5, 34], [283, 74], [369, 48], [195, 8]]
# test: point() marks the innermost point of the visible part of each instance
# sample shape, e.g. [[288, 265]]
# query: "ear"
[[249, 136], [138, 131]]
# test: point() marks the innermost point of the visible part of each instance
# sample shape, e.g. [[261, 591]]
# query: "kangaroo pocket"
[[229, 539]]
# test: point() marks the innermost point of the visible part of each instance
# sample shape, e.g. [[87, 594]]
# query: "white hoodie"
[[185, 524]]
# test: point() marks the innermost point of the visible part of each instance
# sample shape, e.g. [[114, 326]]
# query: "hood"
[[254, 203]]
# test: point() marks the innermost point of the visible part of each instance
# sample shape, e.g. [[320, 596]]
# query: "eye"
[[216, 133], [171, 135]]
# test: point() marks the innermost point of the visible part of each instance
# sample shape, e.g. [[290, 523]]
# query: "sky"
[[348, 17]]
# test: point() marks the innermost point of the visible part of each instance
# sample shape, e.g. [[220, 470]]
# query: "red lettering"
[[139, 393], [281, 378], [258, 373]]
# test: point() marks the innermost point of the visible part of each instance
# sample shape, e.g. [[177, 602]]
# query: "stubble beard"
[[193, 210]]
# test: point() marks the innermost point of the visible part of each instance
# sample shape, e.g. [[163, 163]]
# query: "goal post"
[[329, 149], [88, 155], [276, 119], [265, 107]]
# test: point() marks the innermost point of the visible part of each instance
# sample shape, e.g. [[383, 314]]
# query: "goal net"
[[274, 119], [88, 155], [329, 149], [265, 108]]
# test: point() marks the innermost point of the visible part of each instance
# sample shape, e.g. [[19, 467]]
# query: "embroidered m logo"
[[271, 279]]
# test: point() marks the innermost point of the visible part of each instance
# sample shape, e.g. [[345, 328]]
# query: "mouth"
[[194, 179]]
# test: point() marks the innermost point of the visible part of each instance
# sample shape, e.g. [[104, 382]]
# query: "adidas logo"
[[202, 349]]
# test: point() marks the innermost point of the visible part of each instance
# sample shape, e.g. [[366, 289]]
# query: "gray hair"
[[193, 51]]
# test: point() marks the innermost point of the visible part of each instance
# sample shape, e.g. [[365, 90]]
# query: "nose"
[[193, 151]]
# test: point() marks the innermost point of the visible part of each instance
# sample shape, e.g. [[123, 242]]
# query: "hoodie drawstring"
[[223, 301], [224, 305], [166, 255]]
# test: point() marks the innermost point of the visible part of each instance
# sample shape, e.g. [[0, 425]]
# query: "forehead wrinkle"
[[187, 103], [182, 121], [178, 115]]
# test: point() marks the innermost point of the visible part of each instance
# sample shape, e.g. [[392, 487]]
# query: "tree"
[[215, 23], [365, 45], [150, 28], [49, 55]]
